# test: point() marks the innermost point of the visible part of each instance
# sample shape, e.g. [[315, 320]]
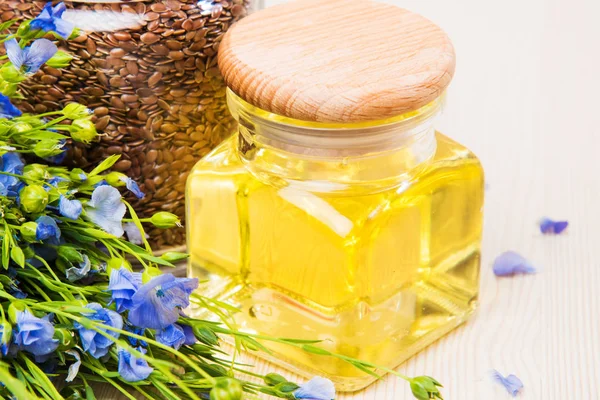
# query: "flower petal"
[[172, 336], [550, 227], [37, 54], [69, 208], [511, 263], [133, 369], [133, 233], [133, 187], [73, 368], [63, 28], [511, 383], [15, 53], [106, 209], [318, 388]]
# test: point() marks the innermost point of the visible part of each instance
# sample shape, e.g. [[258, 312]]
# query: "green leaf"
[[89, 393], [17, 256], [315, 350], [97, 233], [104, 165], [7, 24], [5, 250], [41, 378]]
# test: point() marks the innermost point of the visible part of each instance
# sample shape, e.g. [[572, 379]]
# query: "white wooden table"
[[525, 100]]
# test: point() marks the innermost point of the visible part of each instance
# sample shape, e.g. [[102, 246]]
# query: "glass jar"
[[362, 233], [148, 69]]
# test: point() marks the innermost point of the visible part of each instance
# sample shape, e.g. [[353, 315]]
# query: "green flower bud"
[[5, 126], [227, 389], [60, 59], [21, 127], [174, 256], [69, 253], [273, 379], [47, 148], [76, 111], [115, 179], [28, 252], [34, 199], [85, 130], [77, 175], [165, 220], [11, 74], [35, 172]]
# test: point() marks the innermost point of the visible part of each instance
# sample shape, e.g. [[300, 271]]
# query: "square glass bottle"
[[337, 212]]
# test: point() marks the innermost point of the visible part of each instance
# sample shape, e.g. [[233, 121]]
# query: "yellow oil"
[[376, 274]]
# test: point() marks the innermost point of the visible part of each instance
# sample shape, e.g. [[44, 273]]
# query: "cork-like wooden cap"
[[336, 60]]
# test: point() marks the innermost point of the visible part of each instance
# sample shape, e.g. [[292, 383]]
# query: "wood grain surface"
[[525, 100], [337, 60]]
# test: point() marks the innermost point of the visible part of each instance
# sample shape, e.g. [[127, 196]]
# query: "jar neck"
[[332, 157]]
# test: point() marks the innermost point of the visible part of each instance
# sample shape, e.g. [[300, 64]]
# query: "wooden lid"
[[336, 60]]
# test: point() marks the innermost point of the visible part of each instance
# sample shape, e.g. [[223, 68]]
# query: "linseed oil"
[[377, 275]]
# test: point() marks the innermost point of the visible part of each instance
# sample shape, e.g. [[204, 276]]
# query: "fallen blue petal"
[[511, 263], [317, 388], [550, 227], [511, 383], [74, 274], [133, 369], [73, 368]]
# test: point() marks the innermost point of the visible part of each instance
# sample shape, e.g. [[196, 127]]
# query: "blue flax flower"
[[123, 284], [511, 263], [34, 334], [106, 209], [551, 227], [47, 229], [172, 336], [133, 369], [511, 383], [69, 208], [157, 304], [76, 273], [11, 185], [135, 341], [93, 342], [7, 109], [50, 20], [31, 58], [190, 338], [317, 388], [133, 187]]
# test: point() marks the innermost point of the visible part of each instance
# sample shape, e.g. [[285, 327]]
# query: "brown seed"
[[176, 55], [149, 38], [122, 165], [102, 122], [152, 16], [122, 36], [101, 111], [158, 7], [129, 98], [174, 44], [90, 46]]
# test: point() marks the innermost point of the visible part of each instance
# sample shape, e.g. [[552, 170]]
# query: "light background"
[[525, 100]]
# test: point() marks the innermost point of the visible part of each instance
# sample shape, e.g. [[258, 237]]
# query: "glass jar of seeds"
[[148, 69]]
